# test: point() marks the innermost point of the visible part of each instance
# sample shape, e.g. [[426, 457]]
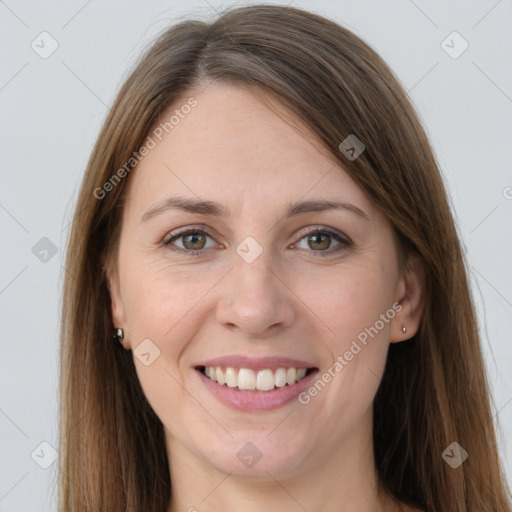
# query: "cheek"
[[354, 311], [157, 297], [162, 305], [347, 300]]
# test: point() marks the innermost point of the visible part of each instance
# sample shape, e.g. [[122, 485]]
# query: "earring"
[[119, 335], [403, 329]]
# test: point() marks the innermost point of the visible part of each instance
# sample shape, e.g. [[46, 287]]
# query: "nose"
[[255, 297]]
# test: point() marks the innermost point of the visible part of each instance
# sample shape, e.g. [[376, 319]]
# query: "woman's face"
[[257, 285]]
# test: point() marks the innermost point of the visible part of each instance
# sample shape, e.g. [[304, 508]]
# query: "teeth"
[[246, 379], [262, 380], [280, 377], [291, 376], [265, 381], [219, 376], [231, 377]]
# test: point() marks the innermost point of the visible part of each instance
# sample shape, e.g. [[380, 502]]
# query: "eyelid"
[[184, 231], [322, 228]]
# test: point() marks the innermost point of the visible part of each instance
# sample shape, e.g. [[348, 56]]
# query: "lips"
[[256, 401], [255, 384]]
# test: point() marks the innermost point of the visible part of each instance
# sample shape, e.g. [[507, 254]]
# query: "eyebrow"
[[213, 208]]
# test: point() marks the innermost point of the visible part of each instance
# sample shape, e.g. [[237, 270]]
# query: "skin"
[[290, 301]]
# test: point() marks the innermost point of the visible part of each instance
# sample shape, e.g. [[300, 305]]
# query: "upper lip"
[[256, 363]]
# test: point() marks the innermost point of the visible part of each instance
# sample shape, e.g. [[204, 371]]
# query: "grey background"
[[52, 110]]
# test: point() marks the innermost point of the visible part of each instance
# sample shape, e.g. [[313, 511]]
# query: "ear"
[[116, 302], [410, 295]]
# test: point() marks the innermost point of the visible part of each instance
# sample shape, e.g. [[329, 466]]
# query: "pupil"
[[325, 237], [192, 236]]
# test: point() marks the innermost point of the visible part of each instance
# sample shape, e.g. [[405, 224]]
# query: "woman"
[[264, 229]]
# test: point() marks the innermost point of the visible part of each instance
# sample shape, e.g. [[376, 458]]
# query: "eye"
[[193, 240], [320, 239]]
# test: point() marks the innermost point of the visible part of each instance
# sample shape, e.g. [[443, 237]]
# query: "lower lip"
[[256, 400]]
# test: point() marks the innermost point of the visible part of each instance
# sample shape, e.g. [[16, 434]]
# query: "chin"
[[253, 457]]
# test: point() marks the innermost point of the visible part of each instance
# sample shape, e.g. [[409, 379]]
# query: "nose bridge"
[[254, 265], [257, 297], [255, 268]]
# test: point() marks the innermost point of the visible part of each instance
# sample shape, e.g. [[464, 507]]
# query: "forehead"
[[232, 148]]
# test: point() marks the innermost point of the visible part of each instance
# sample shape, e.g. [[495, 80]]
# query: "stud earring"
[[403, 329], [119, 335]]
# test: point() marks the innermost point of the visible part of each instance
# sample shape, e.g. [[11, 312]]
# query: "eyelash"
[[344, 241]]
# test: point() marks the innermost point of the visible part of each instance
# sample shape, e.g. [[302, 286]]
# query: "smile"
[[246, 379], [239, 388]]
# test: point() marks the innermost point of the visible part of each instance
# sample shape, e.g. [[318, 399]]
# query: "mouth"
[[268, 385], [260, 380]]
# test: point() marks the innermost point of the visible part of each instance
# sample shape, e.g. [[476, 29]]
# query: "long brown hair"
[[434, 390]]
